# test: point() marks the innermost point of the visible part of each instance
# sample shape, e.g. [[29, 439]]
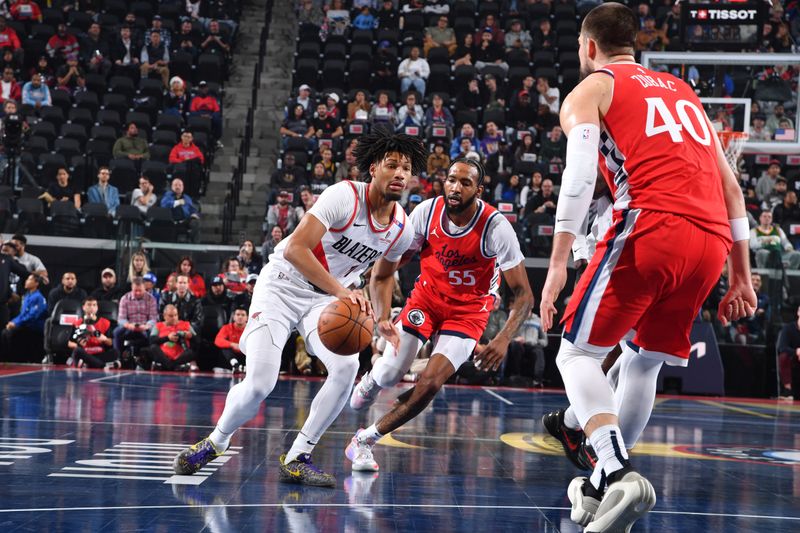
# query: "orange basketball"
[[344, 329]]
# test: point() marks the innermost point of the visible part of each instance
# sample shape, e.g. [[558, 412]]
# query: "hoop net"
[[733, 144]]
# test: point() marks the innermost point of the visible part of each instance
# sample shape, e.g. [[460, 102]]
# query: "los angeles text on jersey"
[[453, 258], [355, 250]]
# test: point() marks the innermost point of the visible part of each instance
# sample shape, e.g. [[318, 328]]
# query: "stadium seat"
[[63, 219], [81, 116], [108, 309], [37, 145], [58, 334], [67, 147], [52, 114], [117, 102], [156, 172], [122, 85], [124, 175], [29, 215], [97, 223], [516, 75], [87, 100], [170, 122], [159, 225], [110, 118]]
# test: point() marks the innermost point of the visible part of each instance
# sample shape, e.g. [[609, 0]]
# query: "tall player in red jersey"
[[678, 213], [464, 241]]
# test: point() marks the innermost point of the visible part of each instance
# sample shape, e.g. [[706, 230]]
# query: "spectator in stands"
[[217, 295], [215, 42], [545, 38], [440, 36], [776, 195], [469, 98], [187, 40], [307, 200], [465, 51], [530, 191], [774, 120], [517, 38], [249, 258], [384, 66], [310, 13], [488, 51], [234, 277], [138, 313], [244, 299], [326, 158], [438, 115], [467, 132], [751, 330], [62, 190], [28, 260], [282, 214], [758, 130], [413, 72], [154, 58], [26, 11], [549, 96], [95, 50], [438, 159], [108, 291], [289, 177], [523, 115], [68, 290], [151, 284], [9, 266], [304, 99], [130, 145], [508, 191], [411, 114], [169, 343], [787, 213], [197, 286], [651, 37], [337, 20], [325, 126], [164, 33], [63, 44], [365, 20], [501, 161], [70, 76], [492, 95], [143, 197], [788, 349], [359, 102], [36, 94], [467, 150], [542, 207], [183, 208], [526, 351], [528, 83], [44, 68], [9, 88], [103, 192], [138, 266], [206, 105], [296, 125], [177, 101], [227, 340], [766, 183], [89, 344], [343, 169], [554, 145], [186, 150], [492, 136], [275, 236], [125, 54], [188, 305], [770, 244], [24, 333], [383, 111]]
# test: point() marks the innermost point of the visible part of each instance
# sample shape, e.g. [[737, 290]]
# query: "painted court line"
[[25, 373], [375, 506], [493, 393], [113, 376]]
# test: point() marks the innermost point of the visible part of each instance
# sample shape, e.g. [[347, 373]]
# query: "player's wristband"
[[740, 229]]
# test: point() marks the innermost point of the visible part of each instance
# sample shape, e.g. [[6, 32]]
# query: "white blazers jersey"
[[354, 240]]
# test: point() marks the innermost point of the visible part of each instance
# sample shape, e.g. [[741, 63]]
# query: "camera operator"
[[12, 128], [169, 343], [90, 345]]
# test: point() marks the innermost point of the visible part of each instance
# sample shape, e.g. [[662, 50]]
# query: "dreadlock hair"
[[473, 163], [376, 145]]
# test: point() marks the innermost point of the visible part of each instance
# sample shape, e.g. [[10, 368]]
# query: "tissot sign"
[[728, 14], [722, 26]]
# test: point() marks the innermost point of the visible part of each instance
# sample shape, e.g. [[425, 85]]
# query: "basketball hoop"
[[733, 144]]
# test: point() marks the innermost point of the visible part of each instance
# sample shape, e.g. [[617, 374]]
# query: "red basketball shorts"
[[426, 313], [645, 283]]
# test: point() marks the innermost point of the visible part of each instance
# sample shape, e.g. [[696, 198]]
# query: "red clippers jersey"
[[457, 267], [657, 149]]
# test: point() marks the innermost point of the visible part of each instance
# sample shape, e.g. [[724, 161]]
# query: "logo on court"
[[748, 454], [416, 317], [12, 449]]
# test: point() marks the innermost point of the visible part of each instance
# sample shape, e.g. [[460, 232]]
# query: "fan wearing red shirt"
[[9, 88], [25, 10], [206, 105], [63, 43], [227, 340], [186, 150], [90, 344], [169, 342], [8, 37]]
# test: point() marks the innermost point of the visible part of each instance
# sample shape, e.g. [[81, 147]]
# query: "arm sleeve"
[[501, 240], [335, 205]]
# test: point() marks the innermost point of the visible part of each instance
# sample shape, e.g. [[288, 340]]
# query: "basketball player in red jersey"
[[464, 241], [678, 213]]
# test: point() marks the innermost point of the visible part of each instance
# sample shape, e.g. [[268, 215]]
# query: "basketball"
[[343, 328]]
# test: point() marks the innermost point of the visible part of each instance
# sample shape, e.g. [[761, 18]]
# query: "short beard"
[[460, 208], [585, 71], [390, 196]]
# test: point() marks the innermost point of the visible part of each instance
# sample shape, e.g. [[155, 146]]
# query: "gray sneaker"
[[303, 472], [624, 502]]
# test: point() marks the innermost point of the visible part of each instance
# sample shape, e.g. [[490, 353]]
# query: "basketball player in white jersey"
[[350, 227]]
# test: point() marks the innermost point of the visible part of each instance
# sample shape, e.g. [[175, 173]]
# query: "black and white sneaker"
[[629, 496]]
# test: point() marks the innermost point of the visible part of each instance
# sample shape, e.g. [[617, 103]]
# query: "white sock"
[[302, 444], [611, 453], [570, 420], [220, 440], [369, 434]]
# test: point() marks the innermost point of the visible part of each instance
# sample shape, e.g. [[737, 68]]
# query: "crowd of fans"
[[132, 88]]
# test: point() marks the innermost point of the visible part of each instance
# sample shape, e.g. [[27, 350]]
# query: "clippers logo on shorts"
[[416, 317]]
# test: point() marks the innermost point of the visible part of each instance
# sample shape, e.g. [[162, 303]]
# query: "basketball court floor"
[[92, 451]]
